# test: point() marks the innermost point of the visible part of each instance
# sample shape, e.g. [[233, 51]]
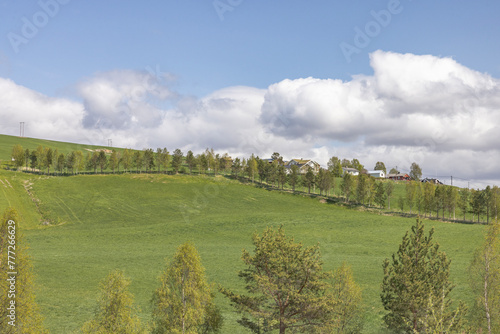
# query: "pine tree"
[[416, 287], [16, 268], [184, 301], [115, 312], [288, 289]]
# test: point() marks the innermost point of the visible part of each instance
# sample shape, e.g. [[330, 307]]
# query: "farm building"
[[430, 180], [352, 171], [303, 165], [379, 174], [399, 177]]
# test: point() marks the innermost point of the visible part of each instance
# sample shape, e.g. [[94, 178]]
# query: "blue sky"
[[130, 70], [256, 44]]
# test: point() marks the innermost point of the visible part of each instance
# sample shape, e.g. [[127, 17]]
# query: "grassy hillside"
[[98, 223], [134, 222], [8, 142]]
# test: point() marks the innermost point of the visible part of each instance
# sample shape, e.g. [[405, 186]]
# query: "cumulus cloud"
[[123, 99], [427, 109], [409, 101]]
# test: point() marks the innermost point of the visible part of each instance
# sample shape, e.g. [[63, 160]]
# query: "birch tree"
[[484, 273], [183, 304]]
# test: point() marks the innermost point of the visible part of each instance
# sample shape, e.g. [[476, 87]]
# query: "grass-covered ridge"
[[98, 223], [133, 222]]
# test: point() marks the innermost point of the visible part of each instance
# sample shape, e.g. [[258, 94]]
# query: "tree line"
[[286, 290], [427, 199], [42, 159]]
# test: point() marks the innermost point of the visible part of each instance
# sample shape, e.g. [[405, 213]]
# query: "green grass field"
[[135, 222]]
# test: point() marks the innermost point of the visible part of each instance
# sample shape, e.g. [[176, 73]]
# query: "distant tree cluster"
[[422, 198], [428, 198]]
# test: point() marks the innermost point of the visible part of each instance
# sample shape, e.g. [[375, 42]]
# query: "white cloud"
[[123, 99], [417, 108]]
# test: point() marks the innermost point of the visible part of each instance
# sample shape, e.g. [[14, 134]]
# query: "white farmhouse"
[[379, 174]]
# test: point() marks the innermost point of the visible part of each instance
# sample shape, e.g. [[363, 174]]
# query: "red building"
[[399, 177]]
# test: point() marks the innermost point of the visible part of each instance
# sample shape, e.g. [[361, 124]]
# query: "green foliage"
[[191, 161], [335, 166], [287, 287], [308, 179], [380, 194], [324, 181], [401, 203], [389, 188], [357, 165], [484, 273], [282, 177], [103, 217], [149, 159], [415, 172], [410, 194], [293, 177], [138, 160], [18, 155], [416, 286], [252, 167], [184, 301], [115, 312], [27, 318], [428, 201], [177, 160], [127, 159], [347, 185], [114, 161], [380, 166], [348, 309], [362, 188]]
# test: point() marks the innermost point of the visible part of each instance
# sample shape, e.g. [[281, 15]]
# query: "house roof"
[[375, 171], [398, 175], [301, 161]]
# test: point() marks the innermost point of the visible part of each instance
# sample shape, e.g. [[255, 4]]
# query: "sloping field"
[[134, 222], [8, 142]]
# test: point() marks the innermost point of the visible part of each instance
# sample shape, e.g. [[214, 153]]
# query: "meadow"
[[79, 228]]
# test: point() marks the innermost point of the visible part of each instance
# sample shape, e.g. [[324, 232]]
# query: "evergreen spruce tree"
[[27, 319], [416, 287]]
